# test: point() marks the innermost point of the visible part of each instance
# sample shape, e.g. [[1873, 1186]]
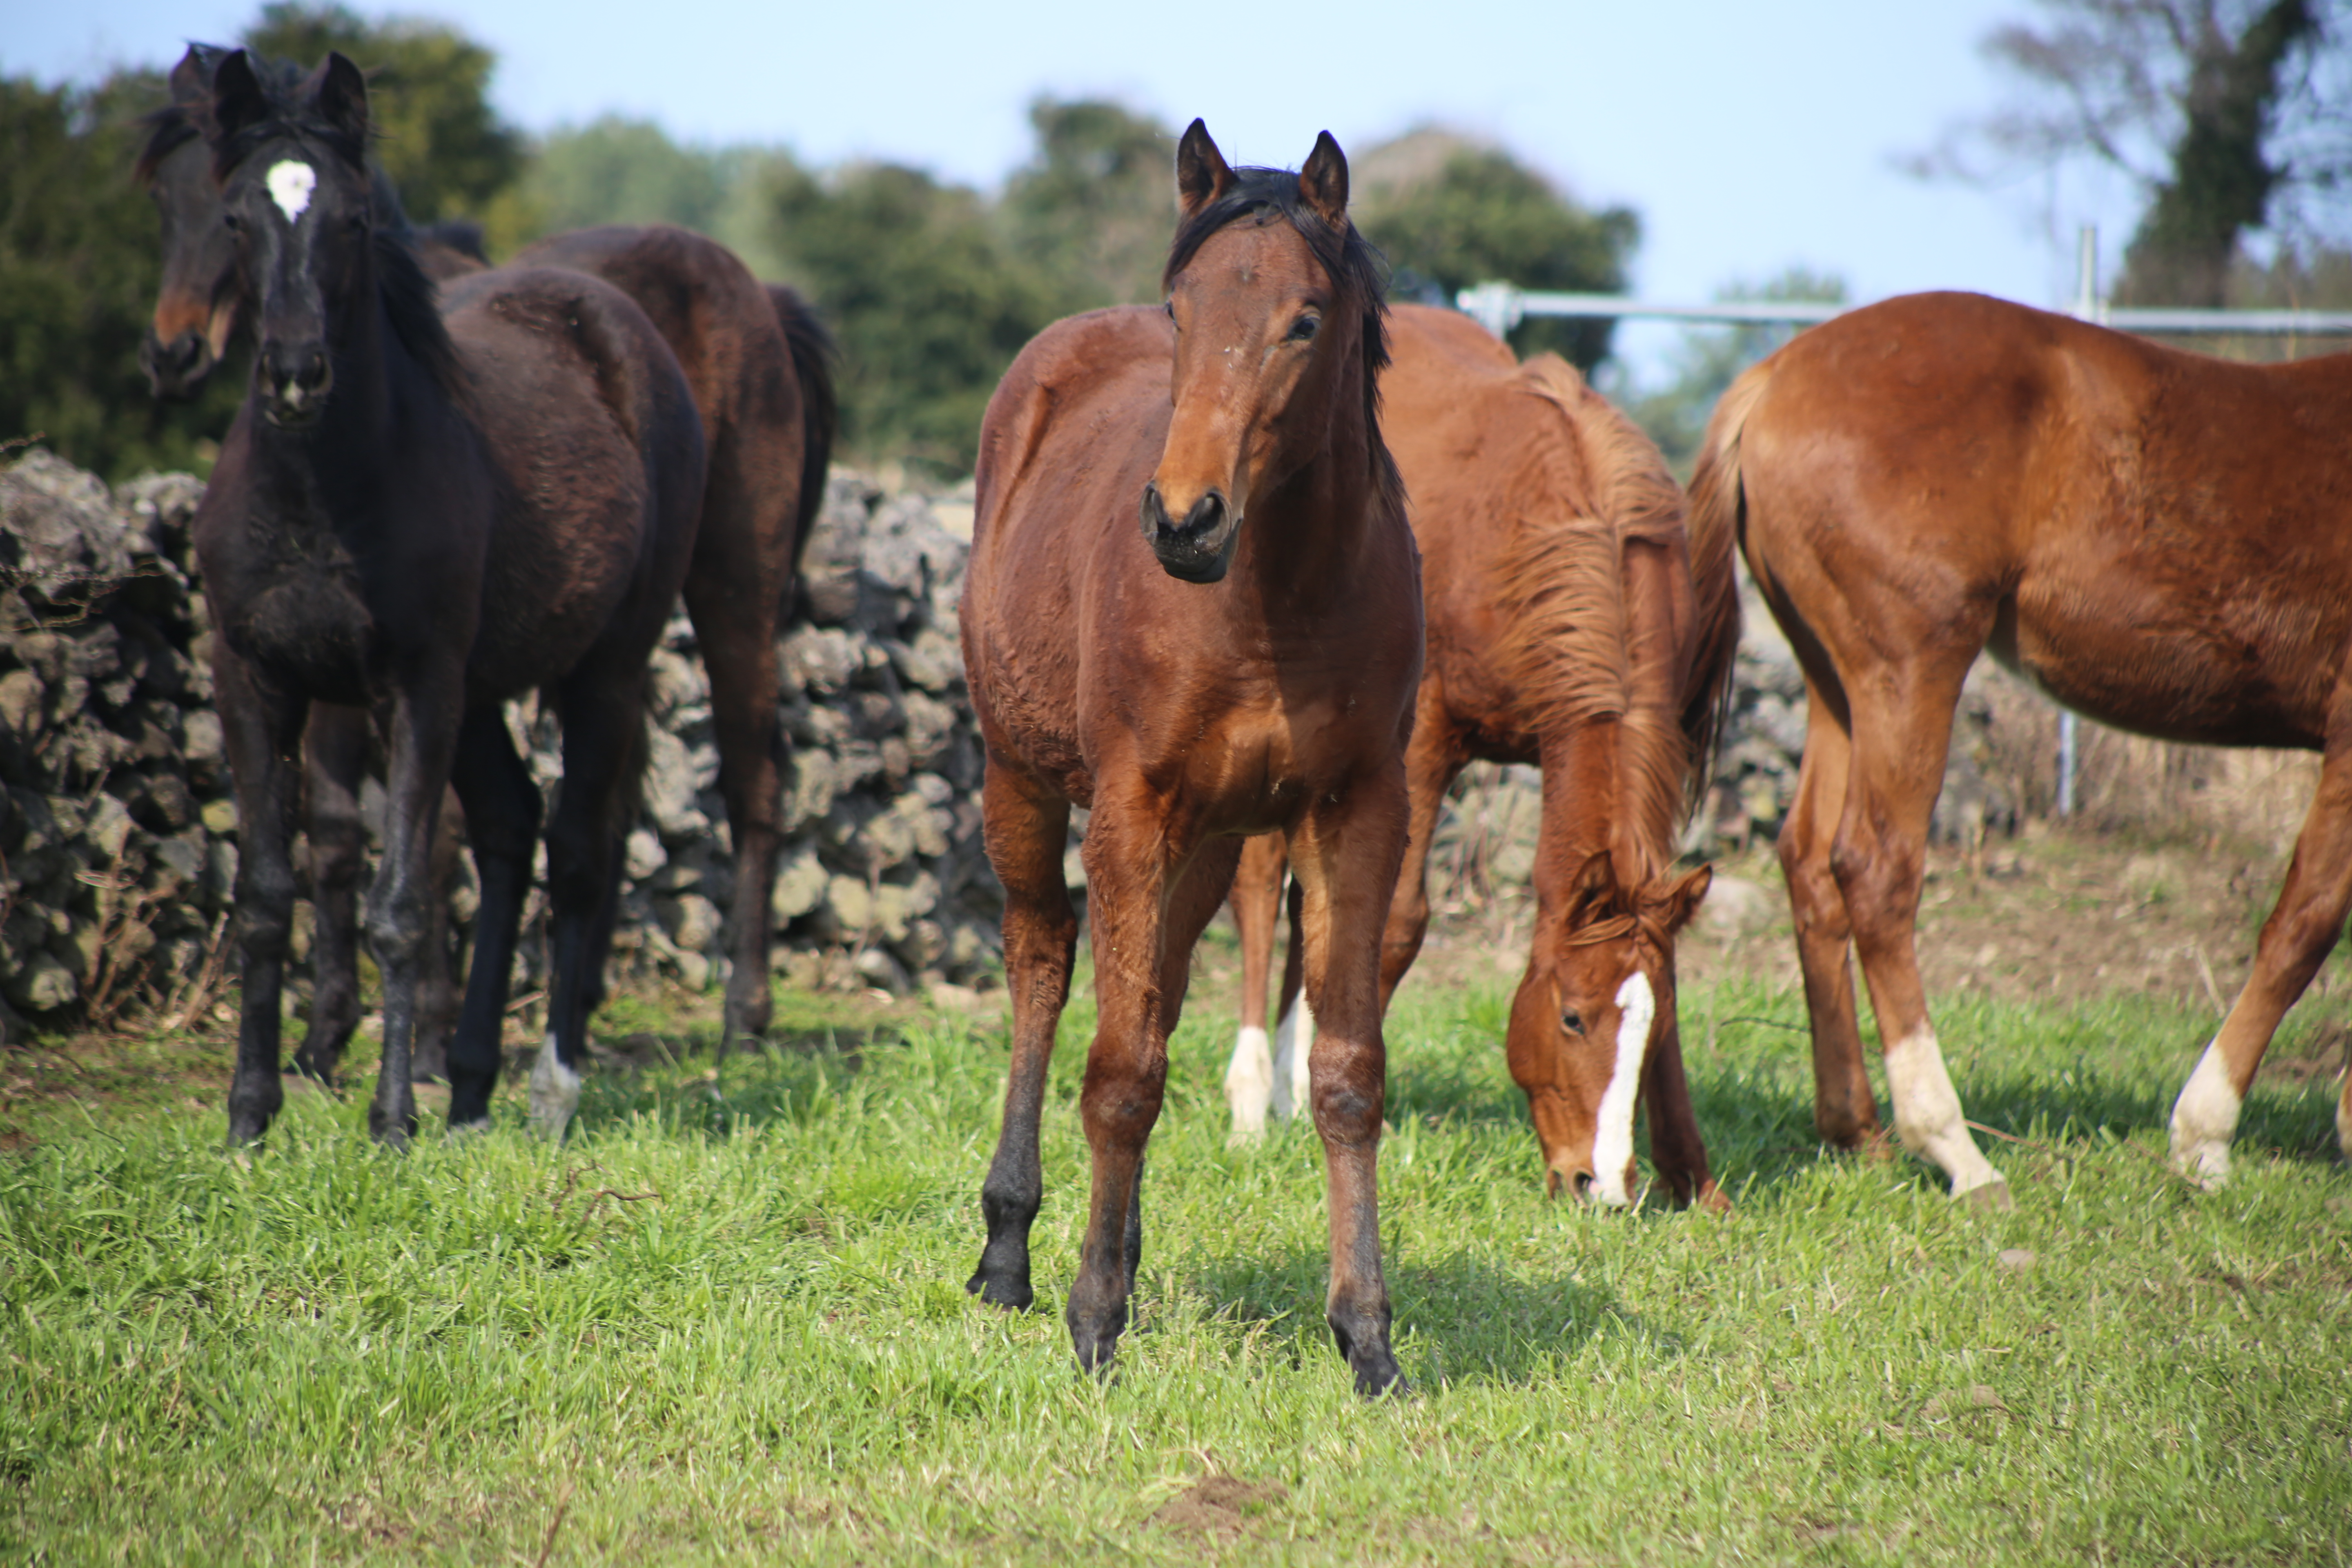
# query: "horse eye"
[[1572, 1022], [1171, 308], [233, 222], [1304, 329]]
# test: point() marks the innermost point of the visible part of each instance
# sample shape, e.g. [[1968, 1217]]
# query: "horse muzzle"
[[295, 383], [1199, 549], [175, 369]]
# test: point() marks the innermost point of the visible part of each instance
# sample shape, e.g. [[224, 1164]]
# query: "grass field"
[[701, 1331]]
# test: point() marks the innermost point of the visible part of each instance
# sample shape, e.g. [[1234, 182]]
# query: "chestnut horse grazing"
[[424, 514], [1573, 621], [760, 366], [1242, 663], [2155, 538]]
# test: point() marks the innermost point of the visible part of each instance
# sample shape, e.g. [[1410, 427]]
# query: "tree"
[[2225, 113], [79, 270], [1094, 208], [428, 95], [1449, 213], [929, 306], [616, 170]]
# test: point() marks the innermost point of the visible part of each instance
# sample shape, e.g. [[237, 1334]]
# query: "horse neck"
[[1309, 533], [352, 451], [1609, 784]]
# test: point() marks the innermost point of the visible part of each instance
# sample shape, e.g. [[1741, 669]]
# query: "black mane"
[[1354, 263], [410, 297]]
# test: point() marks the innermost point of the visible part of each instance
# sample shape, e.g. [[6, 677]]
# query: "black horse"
[[425, 513], [759, 364]]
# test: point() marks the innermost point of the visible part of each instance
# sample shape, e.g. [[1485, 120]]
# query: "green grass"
[[707, 1330]]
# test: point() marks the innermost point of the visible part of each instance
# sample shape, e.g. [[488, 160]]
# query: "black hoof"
[[246, 1131], [1095, 1351], [1012, 1295], [392, 1132]]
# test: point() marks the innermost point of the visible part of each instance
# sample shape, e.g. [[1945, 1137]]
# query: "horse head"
[[1598, 994], [1272, 293], [296, 200], [196, 307]]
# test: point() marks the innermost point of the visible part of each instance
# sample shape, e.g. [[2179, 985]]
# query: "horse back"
[[2155, 536], [598, 451]]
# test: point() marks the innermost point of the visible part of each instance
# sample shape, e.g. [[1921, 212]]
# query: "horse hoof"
[[1096, 1352], [1380, 1378], [1992, 1197], [1012, 1295], [392, 1132], [555, 1094]]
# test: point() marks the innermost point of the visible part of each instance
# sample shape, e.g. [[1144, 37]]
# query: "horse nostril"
[[1582, 1183], [314, 368], [1206, 515]]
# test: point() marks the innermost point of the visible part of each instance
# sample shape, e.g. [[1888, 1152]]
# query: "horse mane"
[[411, 299], [1354, 263], [1569, 648]]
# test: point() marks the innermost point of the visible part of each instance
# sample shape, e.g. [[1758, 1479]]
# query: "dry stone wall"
[[118, 832]]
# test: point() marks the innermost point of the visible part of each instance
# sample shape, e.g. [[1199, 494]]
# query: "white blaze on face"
[[290, 184], [1613, 1130]]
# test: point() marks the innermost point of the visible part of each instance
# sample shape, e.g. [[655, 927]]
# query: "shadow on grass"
[[1457, 1320]]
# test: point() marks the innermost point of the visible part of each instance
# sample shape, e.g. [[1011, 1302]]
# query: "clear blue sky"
[[1751, 137]]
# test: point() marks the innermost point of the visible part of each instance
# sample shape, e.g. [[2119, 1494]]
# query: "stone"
[[220, 817], [40, 984], [800, 885]]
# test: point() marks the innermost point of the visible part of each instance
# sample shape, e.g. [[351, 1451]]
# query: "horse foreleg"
[[423, 734], [2302, 929], [1027, 829], [1899, 737], [335, 746], [1346, 855], [503, 813], [261, 730], [1432, 762], [603, 724], [1147, 898], [735, 621], [1256, 898], [1677, 1149]]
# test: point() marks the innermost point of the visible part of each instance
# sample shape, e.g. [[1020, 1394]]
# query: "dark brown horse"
[[424, 514], [2155, 538], [1243, 663], [759, 364], [1573, 621]]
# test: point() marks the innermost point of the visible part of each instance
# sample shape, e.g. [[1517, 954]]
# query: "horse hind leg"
[[1899, 738], [2303, 927], [1027, 829], [1845, 1111], [603, 730], [1294, 1036], [1256, 898], [437, 995], [502, 814]]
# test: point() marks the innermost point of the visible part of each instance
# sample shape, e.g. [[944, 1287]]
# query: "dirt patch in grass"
[[1219, 1508]]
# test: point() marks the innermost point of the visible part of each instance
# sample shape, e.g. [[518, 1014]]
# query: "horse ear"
[[339, 91], [237, 99], [1323, 181], [1201, 172], [191, 78], [1685, 895]]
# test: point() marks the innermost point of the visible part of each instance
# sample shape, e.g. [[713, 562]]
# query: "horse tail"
[[814, 352], [1717, 516]]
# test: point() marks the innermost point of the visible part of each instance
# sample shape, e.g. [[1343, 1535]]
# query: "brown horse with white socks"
[[2157, 539], [1243, 663], [1575, 622]]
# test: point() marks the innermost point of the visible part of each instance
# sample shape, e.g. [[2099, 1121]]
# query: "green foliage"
[[725, 1321], [1709, 358], [930, 305], [79, 270], [616, 170], [1480, 215], [429, 94], [1093, 209]]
